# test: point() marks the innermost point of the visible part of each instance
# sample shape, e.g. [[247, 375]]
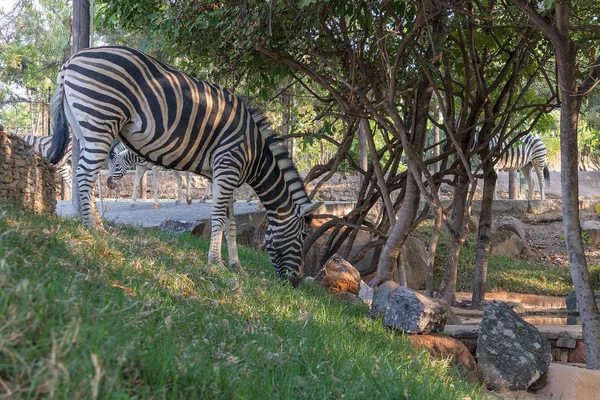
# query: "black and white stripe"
[[120, 159], [527, 153], [42, 146], [173, 120]]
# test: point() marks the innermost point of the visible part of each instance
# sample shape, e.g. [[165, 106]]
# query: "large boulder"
[[592, 231], [338, 275], [507, 244], [411, 312], [380, 296], [414, 254], [510, 224], [445, 347], [512, 353]]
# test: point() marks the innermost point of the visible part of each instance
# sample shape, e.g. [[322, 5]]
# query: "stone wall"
[[26, 178]]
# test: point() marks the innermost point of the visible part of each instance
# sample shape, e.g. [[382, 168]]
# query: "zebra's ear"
[[310, 208]]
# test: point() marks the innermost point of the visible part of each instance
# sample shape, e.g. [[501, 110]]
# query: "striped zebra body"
[[173, 120], [121, 159], [42, 145], [529, 152]]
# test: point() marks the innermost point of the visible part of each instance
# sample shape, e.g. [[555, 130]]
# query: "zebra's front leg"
[[222, 194], [188, 195], [139, 175], [87, 170], [234, 261], [155, 186]]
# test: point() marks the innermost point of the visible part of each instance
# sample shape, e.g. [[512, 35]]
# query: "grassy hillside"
[[129, 313]]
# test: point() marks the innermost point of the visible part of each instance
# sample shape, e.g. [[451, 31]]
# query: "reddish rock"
[[446, 347], [338, 275], [577, 355]]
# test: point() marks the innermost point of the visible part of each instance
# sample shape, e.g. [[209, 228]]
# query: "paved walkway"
[[145, 215]]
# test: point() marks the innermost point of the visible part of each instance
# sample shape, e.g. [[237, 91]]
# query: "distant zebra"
[[120, 161], [176, 121], [42, 145], [529, 152]]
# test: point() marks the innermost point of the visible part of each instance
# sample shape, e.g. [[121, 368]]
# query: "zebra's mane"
[[282, 156]]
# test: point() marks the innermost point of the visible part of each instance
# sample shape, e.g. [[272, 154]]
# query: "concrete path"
[[145, 215]]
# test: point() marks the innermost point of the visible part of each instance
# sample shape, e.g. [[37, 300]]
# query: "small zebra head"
[[285, 240], [117, 167]]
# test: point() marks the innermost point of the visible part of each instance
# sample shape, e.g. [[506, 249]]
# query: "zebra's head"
[[117, 167], [285, 240]]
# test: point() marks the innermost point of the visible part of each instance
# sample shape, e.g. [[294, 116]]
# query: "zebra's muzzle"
[[110, 182]]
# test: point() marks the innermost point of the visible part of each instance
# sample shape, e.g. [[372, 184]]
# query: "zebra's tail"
[[60, 135], [546, 174]]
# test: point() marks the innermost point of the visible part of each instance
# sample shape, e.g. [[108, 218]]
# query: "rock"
[[411, 312], [380, 296], [338, 275], [347, 297], [512, 353], [510, 224], [176, 226], [570, 382], [572, 301], [445, 347], [366, 293], [592, 231], [472, 224], [452, 319], [506, 244], [577, 355], [414, 253]]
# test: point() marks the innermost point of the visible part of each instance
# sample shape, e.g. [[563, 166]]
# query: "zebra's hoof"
[[131, 205], [189, 201], [235, 266], [155, 206]]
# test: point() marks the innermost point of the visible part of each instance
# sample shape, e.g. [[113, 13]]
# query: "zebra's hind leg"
[[526, 170], [234, 261], [92, 156], [539, 169], [177, 176]]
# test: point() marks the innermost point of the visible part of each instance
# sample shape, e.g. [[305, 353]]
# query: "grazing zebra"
[[41, 145], [120, 161], [173, 120], [529, 152]]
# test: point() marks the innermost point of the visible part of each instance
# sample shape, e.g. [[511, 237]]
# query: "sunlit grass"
[[131, 313], [504, 274]]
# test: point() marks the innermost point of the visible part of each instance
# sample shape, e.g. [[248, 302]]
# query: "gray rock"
[[572, 301], [507, 244], [414, 253], [175, 226], [380, 296], [592, 231], [512, 354], [411, 312], [366, 293], [510, 224]]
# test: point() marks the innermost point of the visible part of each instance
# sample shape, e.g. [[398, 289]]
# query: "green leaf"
[[548, 4]]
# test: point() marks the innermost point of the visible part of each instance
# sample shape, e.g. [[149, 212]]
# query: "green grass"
[[504, 274], [129, 313]]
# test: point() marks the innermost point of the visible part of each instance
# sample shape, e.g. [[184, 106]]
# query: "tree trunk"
[[447, 289], [363, 160], [435, 234], [436, 137], [81, 40], [484, 236], [513, 185], [569, 110]]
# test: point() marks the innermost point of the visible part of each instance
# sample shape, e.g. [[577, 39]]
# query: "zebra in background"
[[527, 153], [173, 120], [42, 145], [120, 159]]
